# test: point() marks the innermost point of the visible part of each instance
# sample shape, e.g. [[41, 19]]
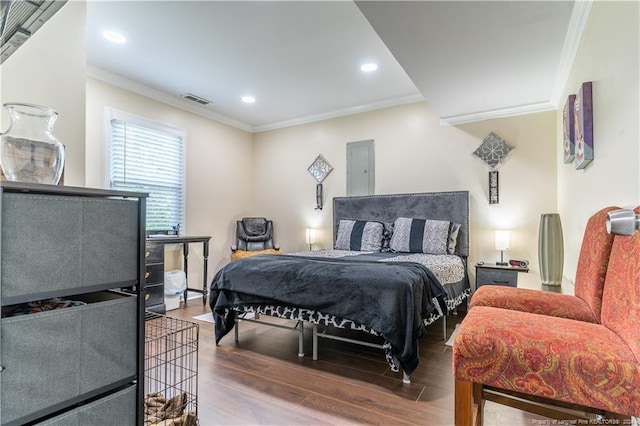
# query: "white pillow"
[[411, 235], [359, 235]]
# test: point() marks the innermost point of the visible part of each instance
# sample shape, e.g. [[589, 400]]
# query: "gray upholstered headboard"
[[453, 206]]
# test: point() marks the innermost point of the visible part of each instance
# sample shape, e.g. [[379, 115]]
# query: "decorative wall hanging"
[[583, 117], [568, 127], [494, 196], [493, 151], [319, 169]]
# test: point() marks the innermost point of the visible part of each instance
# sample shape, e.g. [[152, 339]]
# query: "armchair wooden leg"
[[478, 403], [465, 409]]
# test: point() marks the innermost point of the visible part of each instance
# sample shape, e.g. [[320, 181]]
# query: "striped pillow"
[[359, 235], [412, 235]]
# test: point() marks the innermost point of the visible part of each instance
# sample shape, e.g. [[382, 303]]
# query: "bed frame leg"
[[301, 340], [235, 329], [444, 327], [315, 342]]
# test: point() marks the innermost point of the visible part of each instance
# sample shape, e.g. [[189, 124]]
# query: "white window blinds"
[[148, 160]]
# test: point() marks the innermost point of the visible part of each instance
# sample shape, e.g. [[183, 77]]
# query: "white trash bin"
[[175, 283]]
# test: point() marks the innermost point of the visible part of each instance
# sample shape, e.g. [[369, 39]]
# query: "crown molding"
[[141, 89], [340, 113], [453, 120], [577, 24]]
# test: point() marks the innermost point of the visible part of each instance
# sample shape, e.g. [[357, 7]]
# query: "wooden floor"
[[262, 381]]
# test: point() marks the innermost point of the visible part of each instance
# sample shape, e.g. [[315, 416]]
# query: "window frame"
[[114, 114]]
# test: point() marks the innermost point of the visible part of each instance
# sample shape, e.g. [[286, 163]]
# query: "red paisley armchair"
[[548, 365], [587, 302]]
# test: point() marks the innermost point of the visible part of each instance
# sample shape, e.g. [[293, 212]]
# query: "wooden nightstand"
[[492, 274]]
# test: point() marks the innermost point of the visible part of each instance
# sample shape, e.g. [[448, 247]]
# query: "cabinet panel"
[[154, 253], [108, 343], [53, 243], [41, 243], [117, 409], [154, 274], [155, 294], [110, 241], [496, 277], [158, 309], [54, 356], [41, 356]]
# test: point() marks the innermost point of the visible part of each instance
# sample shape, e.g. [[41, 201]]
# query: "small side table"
[[185, 240], [492, 274]]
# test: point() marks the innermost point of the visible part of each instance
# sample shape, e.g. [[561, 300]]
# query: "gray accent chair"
[[254, 235]]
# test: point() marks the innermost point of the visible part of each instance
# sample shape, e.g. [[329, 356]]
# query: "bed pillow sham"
[[387, 232], [453, 237], [359, 235], [411, 235]]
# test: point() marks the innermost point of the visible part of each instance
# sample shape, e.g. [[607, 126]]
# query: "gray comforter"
[[391, 298]]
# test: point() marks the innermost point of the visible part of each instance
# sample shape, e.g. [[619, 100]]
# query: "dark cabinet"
[[492, 274], [64, 366], [154, 276]]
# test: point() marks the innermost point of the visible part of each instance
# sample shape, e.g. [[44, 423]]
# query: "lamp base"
[[502, 262]]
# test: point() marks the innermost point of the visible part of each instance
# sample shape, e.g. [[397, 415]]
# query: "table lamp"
[[311, 237], [502, 244]]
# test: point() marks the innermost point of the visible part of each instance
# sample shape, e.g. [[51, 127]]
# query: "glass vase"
[[29, 149]]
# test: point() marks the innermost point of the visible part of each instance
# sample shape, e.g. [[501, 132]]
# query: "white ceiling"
[[468, 60]]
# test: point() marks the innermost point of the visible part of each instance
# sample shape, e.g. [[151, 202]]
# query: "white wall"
[[607, 56], [219, 174], [414, 153], [49, 69], [231, 171]]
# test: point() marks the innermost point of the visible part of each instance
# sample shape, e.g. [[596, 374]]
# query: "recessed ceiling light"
[[248, 99], [114, 37], [369, 67]]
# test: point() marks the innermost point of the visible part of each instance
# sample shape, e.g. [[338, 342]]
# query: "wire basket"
[[171, 369]]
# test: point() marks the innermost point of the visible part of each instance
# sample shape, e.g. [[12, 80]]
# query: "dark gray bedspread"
[[391, 298]]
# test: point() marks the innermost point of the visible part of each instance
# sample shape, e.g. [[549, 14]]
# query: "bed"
[[404, 289]]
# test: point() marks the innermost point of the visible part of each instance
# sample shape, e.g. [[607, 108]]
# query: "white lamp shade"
[[311, 236], [502, 240]]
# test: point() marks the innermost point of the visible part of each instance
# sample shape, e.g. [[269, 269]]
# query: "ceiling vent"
[[196, 99], [19, 19]]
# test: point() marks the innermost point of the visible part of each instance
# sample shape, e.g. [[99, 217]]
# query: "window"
[[148, 157]]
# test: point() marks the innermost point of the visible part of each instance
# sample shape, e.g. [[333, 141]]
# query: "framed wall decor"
[[493, 151], [319, 169], [494, 195], [568, 127], [583, 121]]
